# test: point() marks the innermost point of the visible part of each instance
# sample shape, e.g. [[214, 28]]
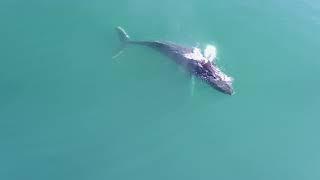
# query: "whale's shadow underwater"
[[202, 66]]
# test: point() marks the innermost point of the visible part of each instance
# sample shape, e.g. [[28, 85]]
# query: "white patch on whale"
[[223, 76]]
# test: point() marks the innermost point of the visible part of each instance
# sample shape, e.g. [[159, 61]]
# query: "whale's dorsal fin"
[[210, 53]]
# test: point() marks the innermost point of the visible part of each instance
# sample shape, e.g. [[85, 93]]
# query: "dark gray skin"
[[211, 74]]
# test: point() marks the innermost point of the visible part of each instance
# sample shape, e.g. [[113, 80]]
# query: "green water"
[[70, 112]]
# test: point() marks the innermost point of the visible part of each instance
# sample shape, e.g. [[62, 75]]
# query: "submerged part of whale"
[[200, 65]]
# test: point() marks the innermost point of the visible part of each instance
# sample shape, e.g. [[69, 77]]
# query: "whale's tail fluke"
[[124, 38]]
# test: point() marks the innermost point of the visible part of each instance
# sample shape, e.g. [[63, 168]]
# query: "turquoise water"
[[69, 111]]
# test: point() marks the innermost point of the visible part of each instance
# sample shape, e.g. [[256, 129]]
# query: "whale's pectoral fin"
[[192, 84], [210, 53]]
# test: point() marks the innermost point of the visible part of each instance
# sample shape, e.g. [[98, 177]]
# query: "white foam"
[[195, 55], [210, 52]]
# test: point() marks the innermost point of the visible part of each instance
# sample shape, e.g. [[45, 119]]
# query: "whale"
[[201, 65]]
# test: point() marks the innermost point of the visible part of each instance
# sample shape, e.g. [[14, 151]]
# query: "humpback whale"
[[200, 65]]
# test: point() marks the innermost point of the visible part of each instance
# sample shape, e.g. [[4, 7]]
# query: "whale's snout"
[[229, 90], [225, 88], [222, 85]]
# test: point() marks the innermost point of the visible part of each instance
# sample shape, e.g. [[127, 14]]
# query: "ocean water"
[[70, 111]]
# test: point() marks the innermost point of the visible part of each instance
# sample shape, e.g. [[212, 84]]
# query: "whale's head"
[[215, 77], [220, 81], [205, 67], [212, 74]]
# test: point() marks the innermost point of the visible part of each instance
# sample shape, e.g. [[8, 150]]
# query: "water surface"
[[69, 111]]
